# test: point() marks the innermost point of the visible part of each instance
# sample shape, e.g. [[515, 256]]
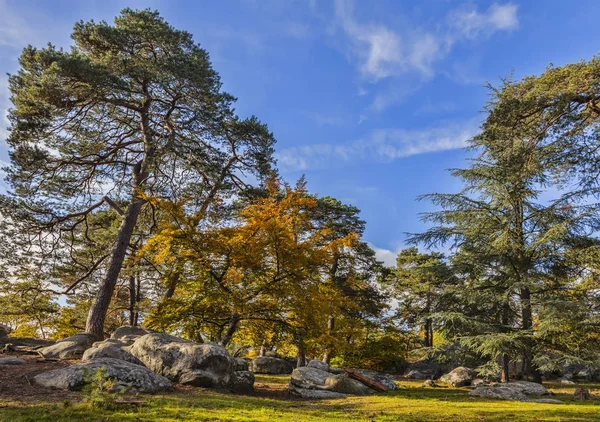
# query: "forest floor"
[[21, 400]]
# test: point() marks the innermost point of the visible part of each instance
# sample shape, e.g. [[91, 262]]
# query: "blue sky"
[[371, 100]]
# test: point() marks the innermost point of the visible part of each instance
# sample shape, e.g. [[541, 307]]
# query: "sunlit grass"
[[409, 403]]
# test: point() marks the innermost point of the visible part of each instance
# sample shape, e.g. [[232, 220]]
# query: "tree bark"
[[301, 357], [132, 299], [329, 349], [231, 329], [529, 369]]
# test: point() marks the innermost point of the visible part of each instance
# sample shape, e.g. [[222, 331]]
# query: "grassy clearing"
[[409, 403]]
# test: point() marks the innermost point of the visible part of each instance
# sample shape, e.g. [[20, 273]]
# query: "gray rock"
[[270, 365], [529, 388], [240, 364], [128, 333], [127, 374], [479, 381], [12, 361], [386, 380], [498, 391], [310, 378], [110, 348], [242, 382], [458, 377], [564, 380], [25, 342], [201, 365], [429, 383], [417, 375], [306, 393], [342, 383], [319, 365], [68, 348]]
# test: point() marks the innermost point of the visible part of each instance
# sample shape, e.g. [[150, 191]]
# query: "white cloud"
[[380, 145], [474, 24], [386, 256], [384, 52]]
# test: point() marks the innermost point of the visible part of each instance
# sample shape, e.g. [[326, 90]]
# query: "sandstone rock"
[[307, 377], [242, 382], [429, 383], [128, 334], [458, 377], [127, 374], [319, 365], [12, 361], [529, 388], [417, 375], [68, 348], [424, 369], [386, 380], [342, 383], [498, 391], [564, 380], [240, 364], [479, 381], [270, 365], [184, 361], [110, 348], [306, 393]]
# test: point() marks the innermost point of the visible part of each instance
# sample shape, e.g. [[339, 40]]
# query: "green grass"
[[409, 403]]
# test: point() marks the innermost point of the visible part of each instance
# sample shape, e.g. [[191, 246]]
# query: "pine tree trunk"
[[301, 359], [529, 369], [329, 350], [132, 299], [99, 308]]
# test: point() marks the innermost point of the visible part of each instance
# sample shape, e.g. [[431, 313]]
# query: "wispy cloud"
[[382, 51], [324, 120], [379, 145]]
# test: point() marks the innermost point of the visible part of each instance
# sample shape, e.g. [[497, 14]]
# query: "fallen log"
[[359, 376]]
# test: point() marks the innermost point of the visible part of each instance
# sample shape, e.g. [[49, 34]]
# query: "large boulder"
[[128, 333], [240, 364], [69, 348], [498, 391], [110, 348], [342, 383], [312, 394], [386, 380], [319, 365], [458, 377], [270, 365], [424, 369], [310, 378], [242, 381], [127, 375], [518, 391], [184, 361]]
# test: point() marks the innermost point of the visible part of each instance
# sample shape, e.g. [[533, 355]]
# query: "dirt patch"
[[16, 381]]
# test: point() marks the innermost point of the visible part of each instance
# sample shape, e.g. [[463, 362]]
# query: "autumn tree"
[[133, 110]]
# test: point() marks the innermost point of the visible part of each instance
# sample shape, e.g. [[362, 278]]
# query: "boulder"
[[127, 374], [319, 365], [128, 333], [270, 365], [242, 382], [12, 361], [529, 388], [458, 377], [479, 381], [307, 393], [184, 361], [510, 391], [424, 369], [564, 380], [429, 383], [417, 375], [68, 348], [386, 380], [24, 342], [342, 383], [110, 348], [240, 364], [310, 378], [498, 391]]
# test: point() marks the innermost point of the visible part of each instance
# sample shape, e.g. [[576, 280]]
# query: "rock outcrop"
[[68, 348], [517, 391], [127, 375], [111, 348], [184, 361], [270, 365], [458, 377]]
